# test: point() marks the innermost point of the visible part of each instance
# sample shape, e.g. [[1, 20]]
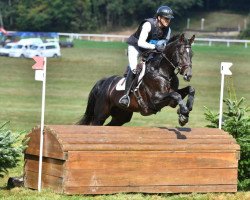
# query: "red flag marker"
[[3, 30], [39, 65]]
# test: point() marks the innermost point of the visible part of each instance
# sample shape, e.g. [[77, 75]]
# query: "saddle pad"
[[121, 85]]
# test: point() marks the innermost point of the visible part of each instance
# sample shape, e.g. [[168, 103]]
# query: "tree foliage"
[[237, 123], [11, 149], [246, 33], [87, 15]]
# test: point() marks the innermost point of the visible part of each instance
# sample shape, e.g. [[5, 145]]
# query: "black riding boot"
[[125, 100]]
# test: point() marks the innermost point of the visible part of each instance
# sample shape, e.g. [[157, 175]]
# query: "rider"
[[149, 32]]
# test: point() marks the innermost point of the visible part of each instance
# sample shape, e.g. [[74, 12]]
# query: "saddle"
[[139, 68], [146, 57], [135, 87]]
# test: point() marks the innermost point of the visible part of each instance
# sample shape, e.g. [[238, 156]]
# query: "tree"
[[237, 123], [11, 149], [94, 15], [8, 12], [246, 33]]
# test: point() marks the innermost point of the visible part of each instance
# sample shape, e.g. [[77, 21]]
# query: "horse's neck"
[[160, 64]]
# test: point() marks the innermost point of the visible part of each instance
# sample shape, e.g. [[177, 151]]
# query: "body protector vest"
[[154, 35]]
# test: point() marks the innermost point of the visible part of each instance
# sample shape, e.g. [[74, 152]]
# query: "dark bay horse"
[[158, 88]]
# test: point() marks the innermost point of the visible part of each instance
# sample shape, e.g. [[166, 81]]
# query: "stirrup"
[[126, 98]]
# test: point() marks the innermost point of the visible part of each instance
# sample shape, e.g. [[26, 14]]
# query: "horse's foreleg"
[[190, 91], [183, 111], [178, 98], [190, 100]]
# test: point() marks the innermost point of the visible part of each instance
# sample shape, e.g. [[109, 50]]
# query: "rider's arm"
[[146, 28], [169, 34]]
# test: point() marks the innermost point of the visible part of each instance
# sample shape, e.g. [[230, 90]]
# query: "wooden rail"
[[107, 37]]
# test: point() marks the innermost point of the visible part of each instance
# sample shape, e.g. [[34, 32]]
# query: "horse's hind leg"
[[98, 121], [119, 117], [101, 113]]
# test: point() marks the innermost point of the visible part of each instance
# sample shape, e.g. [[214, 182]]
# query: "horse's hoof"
[[184, 112], [183, 120]]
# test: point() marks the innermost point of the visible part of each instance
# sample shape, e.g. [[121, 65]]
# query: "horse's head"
[[179, 53]]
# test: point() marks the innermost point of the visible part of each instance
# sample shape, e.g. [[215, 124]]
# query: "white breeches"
[[133, 55]]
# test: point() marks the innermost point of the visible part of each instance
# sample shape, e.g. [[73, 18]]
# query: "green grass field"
[[71, 77]]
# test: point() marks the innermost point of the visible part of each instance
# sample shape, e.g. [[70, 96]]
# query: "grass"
[[71, 77], [24, 194]]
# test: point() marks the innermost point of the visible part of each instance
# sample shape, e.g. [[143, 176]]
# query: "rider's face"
[[164, 22]]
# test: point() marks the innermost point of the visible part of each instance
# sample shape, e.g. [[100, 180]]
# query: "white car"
[[6, 49], [50, 49], [18, 51], [22, 46]]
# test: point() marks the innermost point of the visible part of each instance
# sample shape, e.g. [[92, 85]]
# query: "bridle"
[[178, 67], [171, 63]]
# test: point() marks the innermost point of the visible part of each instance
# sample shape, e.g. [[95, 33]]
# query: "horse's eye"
[[181, 51]]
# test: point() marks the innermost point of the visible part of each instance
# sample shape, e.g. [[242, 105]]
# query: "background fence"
[[122, 38], [107, 37]]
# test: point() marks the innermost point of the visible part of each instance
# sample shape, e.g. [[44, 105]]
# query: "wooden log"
[[50, 182], [53, 167], [149, 159], [136, 178], [151, 189], [106, 160]]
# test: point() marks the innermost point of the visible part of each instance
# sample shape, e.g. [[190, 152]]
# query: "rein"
[[171, 63], [175, 67], [162, 55]]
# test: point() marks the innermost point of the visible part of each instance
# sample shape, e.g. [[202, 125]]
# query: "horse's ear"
[[182, 38], [191, 40]]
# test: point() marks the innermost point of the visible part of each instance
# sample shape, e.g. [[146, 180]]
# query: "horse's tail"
[[89, 112]]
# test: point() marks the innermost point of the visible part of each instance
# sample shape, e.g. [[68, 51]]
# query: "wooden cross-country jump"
[[106, 160]]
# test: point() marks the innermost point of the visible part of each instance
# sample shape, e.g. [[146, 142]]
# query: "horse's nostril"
[[187, 77]]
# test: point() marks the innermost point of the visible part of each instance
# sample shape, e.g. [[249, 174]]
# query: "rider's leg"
[[132, 57], [125, 100]]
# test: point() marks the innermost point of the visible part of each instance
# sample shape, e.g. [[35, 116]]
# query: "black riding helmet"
[[164, 11]]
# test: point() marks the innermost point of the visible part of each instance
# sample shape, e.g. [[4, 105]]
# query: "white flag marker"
[[224, 71], [40, 75]]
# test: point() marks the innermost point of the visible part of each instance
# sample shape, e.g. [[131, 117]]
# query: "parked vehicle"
[[50, 49], [4, 51], [22, 46], [66, 44], [18, 50]]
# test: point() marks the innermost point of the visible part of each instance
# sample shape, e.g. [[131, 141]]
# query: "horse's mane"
[[174, 37]]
